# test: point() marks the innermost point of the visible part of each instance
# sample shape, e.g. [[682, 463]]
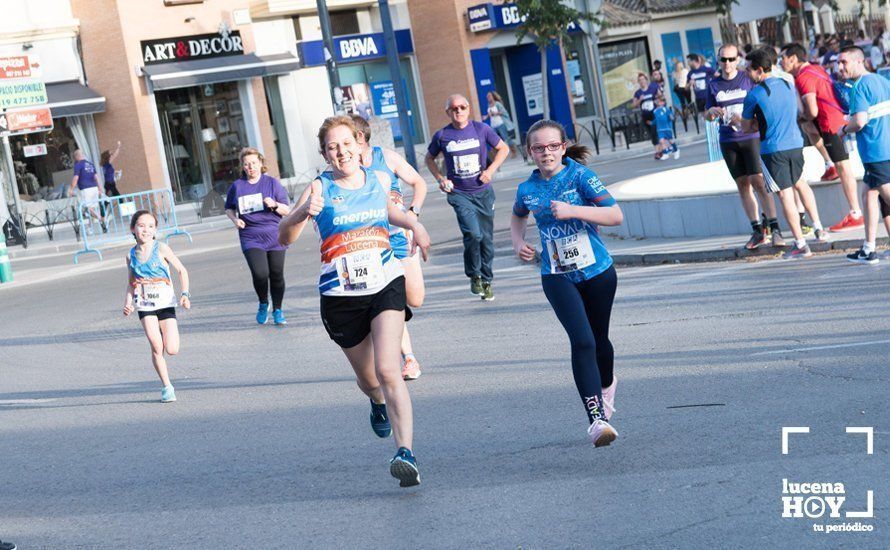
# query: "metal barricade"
[[107, 220], [712, 130]]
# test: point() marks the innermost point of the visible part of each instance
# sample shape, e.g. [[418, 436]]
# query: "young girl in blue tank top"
[[362, 287], [150, 293], [569, 201]]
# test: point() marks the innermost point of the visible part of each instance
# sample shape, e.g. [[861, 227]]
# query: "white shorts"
[[89, 195]]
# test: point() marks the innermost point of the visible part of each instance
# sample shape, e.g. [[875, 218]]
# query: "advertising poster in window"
[[622, 63]]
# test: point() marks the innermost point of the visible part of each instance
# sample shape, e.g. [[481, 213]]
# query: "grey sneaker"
[[821, 236], [777, 239], [487, 293], [476, 286]]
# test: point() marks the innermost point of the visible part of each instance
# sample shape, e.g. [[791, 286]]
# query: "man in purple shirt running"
[[467, 182]]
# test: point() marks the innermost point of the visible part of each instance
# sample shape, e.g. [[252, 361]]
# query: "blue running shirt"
[[871, 94], [572, 248], [398, 237], [773, 103], [153, 289], [353, 226]]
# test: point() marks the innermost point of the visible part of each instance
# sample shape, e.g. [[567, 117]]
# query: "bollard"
[[5, 266]]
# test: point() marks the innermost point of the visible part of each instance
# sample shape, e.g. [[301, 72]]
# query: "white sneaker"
[[601, 433], [609, 398], [664, 156], [676, 154]]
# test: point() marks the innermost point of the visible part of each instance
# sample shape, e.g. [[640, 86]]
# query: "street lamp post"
[[392, 57], [330, 60]]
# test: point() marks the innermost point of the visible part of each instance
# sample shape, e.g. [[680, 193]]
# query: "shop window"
[[344, 22], [44, 176], [204, 131]]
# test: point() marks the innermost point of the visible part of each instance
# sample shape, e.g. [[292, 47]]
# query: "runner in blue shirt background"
[[870, 121]]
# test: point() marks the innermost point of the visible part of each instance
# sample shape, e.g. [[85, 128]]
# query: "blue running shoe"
[[262, 314], [168, 395], [380, 420], [403, 467], [278, 317]]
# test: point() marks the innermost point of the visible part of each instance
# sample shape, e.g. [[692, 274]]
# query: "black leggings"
[[267, 270], [584, 309]]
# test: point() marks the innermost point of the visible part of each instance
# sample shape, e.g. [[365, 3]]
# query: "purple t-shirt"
[[108, 171], [86, 174], [699, 78], [260, 223], [730, 95], [466, 153], [647, 97]]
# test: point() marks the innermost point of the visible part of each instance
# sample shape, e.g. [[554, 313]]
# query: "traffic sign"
[[26, 121], [19, 66]]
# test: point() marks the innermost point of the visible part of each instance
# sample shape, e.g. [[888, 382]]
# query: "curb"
[[728, 254]]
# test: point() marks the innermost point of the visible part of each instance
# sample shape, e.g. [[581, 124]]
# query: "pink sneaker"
[[601, 433], [410, 369], [609, 398]]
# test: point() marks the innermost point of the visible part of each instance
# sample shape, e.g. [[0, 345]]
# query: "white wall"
[[24, 15], [305, 94]]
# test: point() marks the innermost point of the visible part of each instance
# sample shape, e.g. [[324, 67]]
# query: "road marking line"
[[815, 348]]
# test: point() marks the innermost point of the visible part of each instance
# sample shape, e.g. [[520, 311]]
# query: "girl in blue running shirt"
[[150, 293], [362, 282], [569, 202]]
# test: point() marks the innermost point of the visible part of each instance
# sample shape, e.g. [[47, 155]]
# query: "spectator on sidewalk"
[[87, 184], [699, 75], [644, 98], [680, 75], [821, 106], [771, 109], [664, 127], [741, 151], [107, 163], [876, 55], [499, 118], [829, 60], [870, 121], [467, 181]]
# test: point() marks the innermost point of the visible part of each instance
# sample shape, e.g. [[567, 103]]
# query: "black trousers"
[[267, 270]]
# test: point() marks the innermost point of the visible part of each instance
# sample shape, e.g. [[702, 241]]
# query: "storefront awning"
[[72, 99], [219, 69]]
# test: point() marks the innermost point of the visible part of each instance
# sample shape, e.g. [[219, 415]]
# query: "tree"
[[547, 21]]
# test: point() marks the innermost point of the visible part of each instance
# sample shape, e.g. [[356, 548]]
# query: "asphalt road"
[[269, 444]]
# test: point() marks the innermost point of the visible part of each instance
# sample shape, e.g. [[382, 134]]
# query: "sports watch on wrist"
[[416, 210], [185, 294]]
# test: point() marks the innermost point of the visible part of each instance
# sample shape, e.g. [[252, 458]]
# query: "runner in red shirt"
[[820, 105]]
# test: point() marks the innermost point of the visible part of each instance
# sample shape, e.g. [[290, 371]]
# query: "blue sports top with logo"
[[398, 237], [571, 248], [353, 226], [153, 287]]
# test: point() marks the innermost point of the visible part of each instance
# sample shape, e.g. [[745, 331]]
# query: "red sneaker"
[[849, 223], [830, 174]]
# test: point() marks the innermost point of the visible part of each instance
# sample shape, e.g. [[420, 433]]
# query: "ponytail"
[[577, 152]]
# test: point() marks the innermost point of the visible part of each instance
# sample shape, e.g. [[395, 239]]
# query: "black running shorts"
[[742, 157], [348, 318], [785, 167], [876, 173], [161, 314], [834, 144]]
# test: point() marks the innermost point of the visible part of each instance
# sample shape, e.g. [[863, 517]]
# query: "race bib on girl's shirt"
[[154, 295], [248, 204], [571, 253]]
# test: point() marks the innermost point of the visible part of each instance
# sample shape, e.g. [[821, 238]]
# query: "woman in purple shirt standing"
[[255, 204], [107, 164]]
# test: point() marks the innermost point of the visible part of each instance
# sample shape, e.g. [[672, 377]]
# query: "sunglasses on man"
[[457, 108]]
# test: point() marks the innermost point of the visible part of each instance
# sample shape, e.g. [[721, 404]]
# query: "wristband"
[[185, 294]]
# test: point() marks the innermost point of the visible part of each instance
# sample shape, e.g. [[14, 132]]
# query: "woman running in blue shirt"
[[569, 202]]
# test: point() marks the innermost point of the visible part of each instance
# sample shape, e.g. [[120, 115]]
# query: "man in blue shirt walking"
[[771, 109], [870, 121]]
